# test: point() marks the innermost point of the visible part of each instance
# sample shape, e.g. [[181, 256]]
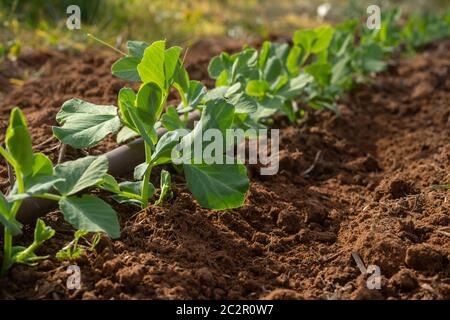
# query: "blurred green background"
[[41, 23]]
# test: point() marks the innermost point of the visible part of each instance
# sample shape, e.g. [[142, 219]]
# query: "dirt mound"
[[369, 192]]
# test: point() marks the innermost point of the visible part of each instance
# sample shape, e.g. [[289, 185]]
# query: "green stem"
[[144, 193], [7, 242], [48, 196], [7, 252]]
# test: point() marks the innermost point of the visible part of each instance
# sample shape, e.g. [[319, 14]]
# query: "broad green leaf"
[[171, 59], [292, 63], [80, 174], [181, 79], [139, 171], [137, 48], [39, 181], [13, 226], [217, 186], [91, 214], [215, 67], [293, 88], [217, 114], [149, 102], [272, 70], [41, 164], [151, 67], [109, 183], [164, 147], [171, 119], [135, 187], [165, 187], [304, 38], [147, 131], [192, 97], [222, 79], [126, 97], [324, 35], [125, 134], [321, 72], [243, 103], [18, 142], [126, 68], [85, 124], [195, 93], [245, 65], [257, 88]]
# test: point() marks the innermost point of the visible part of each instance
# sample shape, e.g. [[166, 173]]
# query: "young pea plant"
[[74, 249], [257, 84], [215, 186], [35, 177]]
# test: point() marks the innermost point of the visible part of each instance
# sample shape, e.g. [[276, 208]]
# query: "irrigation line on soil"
[[121, 161]]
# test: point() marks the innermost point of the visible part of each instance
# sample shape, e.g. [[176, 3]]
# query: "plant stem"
[[7, 245], [48, 196], [7, 242], [144, 193]]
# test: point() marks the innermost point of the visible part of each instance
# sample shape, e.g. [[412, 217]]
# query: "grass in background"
[[40, 23]]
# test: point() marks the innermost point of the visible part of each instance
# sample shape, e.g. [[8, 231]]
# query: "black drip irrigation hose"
[[122, 160]]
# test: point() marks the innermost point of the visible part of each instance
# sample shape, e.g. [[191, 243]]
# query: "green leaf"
[[293, 88], [42, 232], [272, 70], [164, 147], [304, 38], [222, 79], [165, 187], [109, 183], [135, 187], [217, 186], [324, 35], [85, 124], [321, 72], [126, 68], [147, 131], [181, 79], [125, 134], [41, 165], [13, 226], [18, 142], [243, 103], [217, 114], [139, 170], [126, 97], [292, 63], [80, 174], [151, 67], [27, 256], [171, 119], [257, 88], [194, 94], [91, 214], [131, 192], [264, 54], [39, 181], [137, 48], [244, 65], [171, 58], [215, 67], [149, 102]]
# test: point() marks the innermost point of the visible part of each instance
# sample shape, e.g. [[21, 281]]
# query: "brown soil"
[[369, 192]]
